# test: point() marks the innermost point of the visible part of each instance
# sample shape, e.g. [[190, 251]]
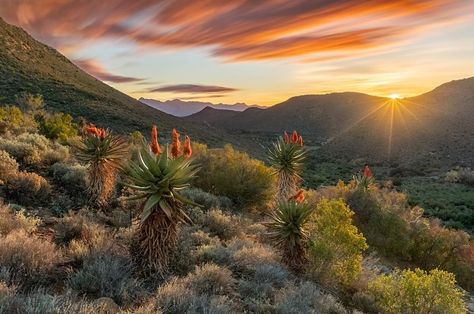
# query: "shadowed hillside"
[[28, 66]]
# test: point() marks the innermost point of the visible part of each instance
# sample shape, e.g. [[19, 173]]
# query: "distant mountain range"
[[181, 108]]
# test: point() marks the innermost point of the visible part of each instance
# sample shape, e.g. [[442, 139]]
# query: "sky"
[[257, 51]]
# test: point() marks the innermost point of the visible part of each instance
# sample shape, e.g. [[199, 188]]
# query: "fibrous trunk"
[[294, 257], [102, 184], [287, 186], [154, 242]]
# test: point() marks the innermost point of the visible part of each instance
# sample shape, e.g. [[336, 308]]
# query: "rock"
[[106, 306]]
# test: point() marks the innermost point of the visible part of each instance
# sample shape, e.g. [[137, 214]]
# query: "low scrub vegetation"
[[170, 229]]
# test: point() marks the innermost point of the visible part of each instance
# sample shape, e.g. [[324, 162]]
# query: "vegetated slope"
[[28, 66], [180, 108], [435, 129]]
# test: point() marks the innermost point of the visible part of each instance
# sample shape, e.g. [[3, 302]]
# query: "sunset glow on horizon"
[[257, 52]]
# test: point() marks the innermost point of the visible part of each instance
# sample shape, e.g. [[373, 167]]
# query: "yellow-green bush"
[[12, 120], [335, 244], [58, 126], [414, 292], [228, 172]]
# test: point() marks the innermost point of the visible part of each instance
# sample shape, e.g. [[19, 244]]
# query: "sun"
[[394, 96]]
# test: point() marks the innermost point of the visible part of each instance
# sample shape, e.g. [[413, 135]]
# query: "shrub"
[[306, 298], [69, 228], [224, 226], [227, 172], [336, 246], [11, 220], [207, 200], [72, 177], [211, 279], [417, 292], [12, 120], [58, 126], [107, 276], [249, 257], [460, 175], [8, 167], [28, 188], [27, 258], [34, 150]]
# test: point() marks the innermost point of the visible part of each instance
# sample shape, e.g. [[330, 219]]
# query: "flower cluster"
[[367, 173], [295, 138], [95, 131], [298, 197], [175, 147]]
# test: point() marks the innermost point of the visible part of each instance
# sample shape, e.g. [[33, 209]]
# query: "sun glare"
[[394, 96]]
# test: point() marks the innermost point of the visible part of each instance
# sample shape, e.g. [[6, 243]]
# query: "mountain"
[[28, 66], [432, 130], [180, 108]]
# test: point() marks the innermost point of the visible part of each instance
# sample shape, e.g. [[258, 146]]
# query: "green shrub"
[[417, 292], [72, 177], [58, 126], [230, 173], [8, 167], [28, 188], [335, 244]]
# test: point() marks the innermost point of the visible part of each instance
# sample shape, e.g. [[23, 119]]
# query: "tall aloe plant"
[[158, 177], [287, 156], [104, 154]]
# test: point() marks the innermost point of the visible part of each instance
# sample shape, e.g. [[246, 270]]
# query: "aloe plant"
[[158, 179], [104, 153], [287, 156]]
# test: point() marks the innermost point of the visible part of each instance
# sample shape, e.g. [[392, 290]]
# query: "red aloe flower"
[[154, 146], [187, 150], [300, 141], [175, 144], [101, 133], [298, 197], [367, 173], [294, 137], [286, 137], [92, 130]]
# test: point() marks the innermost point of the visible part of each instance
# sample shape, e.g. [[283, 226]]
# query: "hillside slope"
[[28, 66]]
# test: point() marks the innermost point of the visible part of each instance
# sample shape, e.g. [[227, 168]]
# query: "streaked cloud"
[[192, 89], [235, 30], [95, 69]]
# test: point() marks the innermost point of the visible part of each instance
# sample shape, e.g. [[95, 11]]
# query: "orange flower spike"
[[92, 130], [294, 137], [101, 133], [367, 173], [187, 150], [154, 145], [286, 137], [300, 141], [176, 144], [298, 197]]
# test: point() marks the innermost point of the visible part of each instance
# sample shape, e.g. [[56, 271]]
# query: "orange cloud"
[[95, 69], [235, 30]]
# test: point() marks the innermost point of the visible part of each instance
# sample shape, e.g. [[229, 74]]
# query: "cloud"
[[202, 97], [95, 69], [192, 89], [237, 30]]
